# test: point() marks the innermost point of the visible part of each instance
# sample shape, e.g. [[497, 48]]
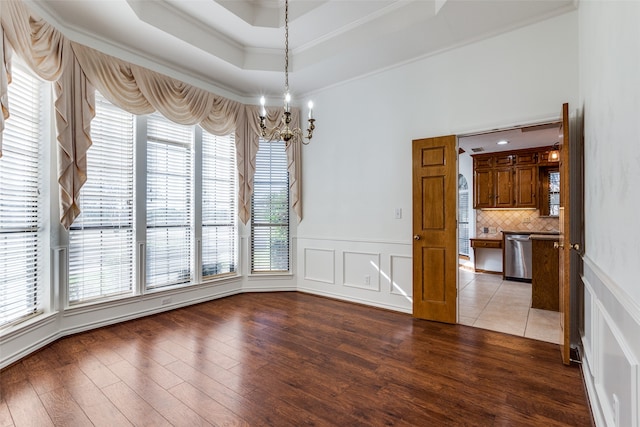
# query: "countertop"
[[499, 236], [547, 236], [492, 238], [530, 232]]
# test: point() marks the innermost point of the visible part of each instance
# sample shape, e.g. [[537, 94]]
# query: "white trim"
[[333, 266], [391, 281], [621, 296], [355, 285], [362, 301], [356, 240]]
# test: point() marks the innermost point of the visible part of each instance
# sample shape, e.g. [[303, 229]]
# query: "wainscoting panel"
[[401, 280], [361, 270], [618, 380], [375, 273], [611, 346], [320, 265]]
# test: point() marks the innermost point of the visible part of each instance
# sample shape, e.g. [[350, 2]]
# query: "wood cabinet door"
[[503, 160], [525, 186], [503, 187], [482, 162], [526, 158], [483, 189]]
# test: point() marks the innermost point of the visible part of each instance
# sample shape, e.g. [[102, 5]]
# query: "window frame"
[[252, 257], [41, 293], [79, 228]]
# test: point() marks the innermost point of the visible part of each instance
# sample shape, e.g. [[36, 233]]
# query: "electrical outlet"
[[166, 301], [398, 213], [526, 220], [367, 280], [485, 229], [492, 230]]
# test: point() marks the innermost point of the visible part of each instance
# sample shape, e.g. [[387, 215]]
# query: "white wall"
[[357, 170], [610, 98]]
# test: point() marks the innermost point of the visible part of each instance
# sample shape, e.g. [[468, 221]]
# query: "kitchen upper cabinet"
[[526, 186], [507, 179], [503, 187], [483, 188]]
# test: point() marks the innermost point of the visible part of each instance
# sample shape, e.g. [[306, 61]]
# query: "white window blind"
[[219, 229], [554, 193], [463, 216], [169, 200], [101, 238], [270, 210], [20, 213]]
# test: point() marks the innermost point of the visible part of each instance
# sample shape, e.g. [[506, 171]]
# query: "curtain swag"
[[77, 71]]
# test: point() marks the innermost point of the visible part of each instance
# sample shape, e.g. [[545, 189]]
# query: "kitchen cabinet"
[[503, 188], [526, 178], [506, 180], [544, 282], [483, 188], [487, 254]]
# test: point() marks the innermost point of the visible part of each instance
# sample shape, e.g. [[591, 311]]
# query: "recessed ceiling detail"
[[237, 45], [266, 13]]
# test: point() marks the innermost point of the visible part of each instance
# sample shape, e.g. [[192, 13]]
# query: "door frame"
[[553, 120]]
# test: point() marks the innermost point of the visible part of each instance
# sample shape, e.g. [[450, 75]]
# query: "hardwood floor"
[[291, 359]]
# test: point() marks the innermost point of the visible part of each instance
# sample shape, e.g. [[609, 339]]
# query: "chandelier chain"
[[286, 45], [286, 131]]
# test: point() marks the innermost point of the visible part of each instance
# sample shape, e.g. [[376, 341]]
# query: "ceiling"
[[237, 46], [540, 135]]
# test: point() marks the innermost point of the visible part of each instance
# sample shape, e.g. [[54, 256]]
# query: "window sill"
[[271, 275], [32, 322], [151, 293]]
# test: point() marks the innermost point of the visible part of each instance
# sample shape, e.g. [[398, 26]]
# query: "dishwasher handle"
[[518, 238]]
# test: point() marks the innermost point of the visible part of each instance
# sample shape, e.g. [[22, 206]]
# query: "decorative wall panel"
[[319, 265]]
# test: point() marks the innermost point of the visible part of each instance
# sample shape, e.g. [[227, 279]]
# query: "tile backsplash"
[[513, 220]]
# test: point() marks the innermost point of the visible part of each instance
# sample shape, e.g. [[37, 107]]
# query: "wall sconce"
[[554, 155]]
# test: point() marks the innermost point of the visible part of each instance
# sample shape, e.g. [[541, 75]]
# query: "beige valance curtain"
[[274, 117], [49, 54], [5, 79], [77, 70]]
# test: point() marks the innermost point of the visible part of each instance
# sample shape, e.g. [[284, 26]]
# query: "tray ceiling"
[[238, 45]]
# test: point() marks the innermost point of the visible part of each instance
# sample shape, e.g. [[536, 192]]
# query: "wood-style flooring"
[[292, 359]]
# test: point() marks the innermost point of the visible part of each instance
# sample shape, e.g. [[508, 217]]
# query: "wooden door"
[[483, 188], [565, 237], [503, 187], [435, 254]]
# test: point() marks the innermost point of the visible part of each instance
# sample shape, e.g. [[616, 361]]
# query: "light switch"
[[398, 213]]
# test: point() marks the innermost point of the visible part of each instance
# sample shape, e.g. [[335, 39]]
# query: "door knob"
[[416, 237], [576, 246], [557, 245]]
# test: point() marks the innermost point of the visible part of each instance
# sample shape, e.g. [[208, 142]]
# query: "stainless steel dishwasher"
[[517, 257]]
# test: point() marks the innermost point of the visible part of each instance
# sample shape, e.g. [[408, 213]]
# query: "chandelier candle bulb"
[[263, 111], [287, 100], [310, 110]]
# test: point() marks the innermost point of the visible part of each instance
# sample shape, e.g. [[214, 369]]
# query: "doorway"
[[485, 299]]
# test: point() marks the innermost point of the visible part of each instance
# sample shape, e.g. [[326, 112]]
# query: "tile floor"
[[486, 301]]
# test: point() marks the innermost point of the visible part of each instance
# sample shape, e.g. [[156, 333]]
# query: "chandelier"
[[284, 132]]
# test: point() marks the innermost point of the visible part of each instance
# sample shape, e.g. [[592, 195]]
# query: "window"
[[101, 238], [21, 263], [169, 200], [554, 193], [270, 210], [219, 227], [463, 216], [550, 191]]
